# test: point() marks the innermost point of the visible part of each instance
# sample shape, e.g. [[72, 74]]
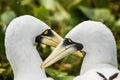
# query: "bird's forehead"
[[37, 24], [74, 35], [85, 28], [43, 27]]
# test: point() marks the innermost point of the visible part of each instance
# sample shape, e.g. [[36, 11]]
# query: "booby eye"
[[69, 40], [45, 32]]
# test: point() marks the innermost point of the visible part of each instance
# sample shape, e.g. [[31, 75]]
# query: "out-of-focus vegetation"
[[61, 16]]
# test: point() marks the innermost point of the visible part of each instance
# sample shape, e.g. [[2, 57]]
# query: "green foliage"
[[98, 14], [55, 73], [61, 15], [7, 16], [65, 78]]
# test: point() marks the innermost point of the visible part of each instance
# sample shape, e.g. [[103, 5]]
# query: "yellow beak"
[[60, 52]]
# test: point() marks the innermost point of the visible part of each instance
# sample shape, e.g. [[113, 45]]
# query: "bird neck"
[[99, 56], [24, 59]]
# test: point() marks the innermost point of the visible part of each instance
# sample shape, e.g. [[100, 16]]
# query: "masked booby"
[[100, 61], [20, 36]]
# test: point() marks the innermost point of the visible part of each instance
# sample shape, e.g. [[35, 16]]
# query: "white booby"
[[100, 61], [20, 36]]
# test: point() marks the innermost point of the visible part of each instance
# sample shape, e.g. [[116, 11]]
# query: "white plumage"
[[108, 73], [20, 51], [100, 61], [98, 42], [100, 47]]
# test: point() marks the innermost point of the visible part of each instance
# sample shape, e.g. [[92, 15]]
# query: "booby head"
[[20, 36], [90, 36], [30, 27]]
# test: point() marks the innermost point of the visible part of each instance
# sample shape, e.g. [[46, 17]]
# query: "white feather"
[[100, 47], [20, 51]]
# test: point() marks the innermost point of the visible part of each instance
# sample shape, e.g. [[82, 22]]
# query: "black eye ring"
[[46, 32], [69, 40]]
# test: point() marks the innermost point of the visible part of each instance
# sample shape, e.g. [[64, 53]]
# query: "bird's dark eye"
[[45, 32], [69, 40]]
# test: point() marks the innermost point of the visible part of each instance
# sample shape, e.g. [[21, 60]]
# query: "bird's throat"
[[24, 59], [98, 59]]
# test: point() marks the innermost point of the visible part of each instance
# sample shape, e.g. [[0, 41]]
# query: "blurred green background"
[[61, 16]]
